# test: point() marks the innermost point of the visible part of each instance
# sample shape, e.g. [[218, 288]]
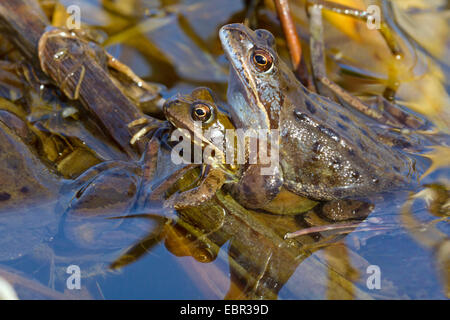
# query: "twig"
[[336, 227], [76, 66], [295, 48]]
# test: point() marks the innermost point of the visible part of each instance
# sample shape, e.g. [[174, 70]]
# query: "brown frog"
[[201, 122], [326, 150]]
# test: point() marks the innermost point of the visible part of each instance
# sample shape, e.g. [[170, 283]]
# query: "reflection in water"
[[337, 289], [259, 257], [263, 252], [437, 199]]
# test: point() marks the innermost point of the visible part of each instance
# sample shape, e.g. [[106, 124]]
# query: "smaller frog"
[[205, 124]]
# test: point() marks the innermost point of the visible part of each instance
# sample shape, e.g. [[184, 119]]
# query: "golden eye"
[[262, 60], [201, 112]]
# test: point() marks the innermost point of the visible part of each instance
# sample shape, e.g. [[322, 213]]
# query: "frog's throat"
[[251, 97], [240, 71]]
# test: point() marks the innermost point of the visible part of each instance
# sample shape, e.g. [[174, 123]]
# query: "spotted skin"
[[179, 111], [327, 151]]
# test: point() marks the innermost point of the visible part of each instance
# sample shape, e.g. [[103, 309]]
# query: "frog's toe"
[[174, 203], [169, 203], [149, 125], [180, 201], [138, 135]]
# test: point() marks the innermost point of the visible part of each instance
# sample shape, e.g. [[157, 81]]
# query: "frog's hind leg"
[[343, 210], [391, 115]]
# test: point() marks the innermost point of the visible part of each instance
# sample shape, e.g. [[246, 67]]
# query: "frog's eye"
[[201, 112], [262, 60]]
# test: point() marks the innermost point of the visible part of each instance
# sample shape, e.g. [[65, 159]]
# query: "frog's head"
[[201, 118], [254, 86]]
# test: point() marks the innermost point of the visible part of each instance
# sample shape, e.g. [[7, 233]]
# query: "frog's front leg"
[[255, 189], [212, 181]]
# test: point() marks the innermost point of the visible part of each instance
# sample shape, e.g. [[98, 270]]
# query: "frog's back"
[[328, 152]]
